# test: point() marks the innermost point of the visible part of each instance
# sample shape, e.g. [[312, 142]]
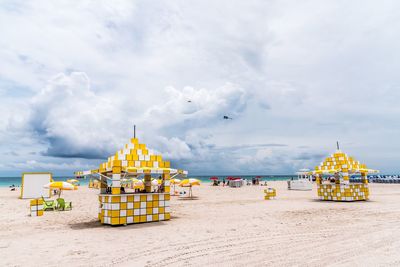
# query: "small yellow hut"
[[118, 206], [339, 166]]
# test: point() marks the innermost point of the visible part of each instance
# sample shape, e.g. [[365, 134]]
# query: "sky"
[[294, 76]]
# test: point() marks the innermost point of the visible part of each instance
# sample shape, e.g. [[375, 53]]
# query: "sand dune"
[[222, 227]]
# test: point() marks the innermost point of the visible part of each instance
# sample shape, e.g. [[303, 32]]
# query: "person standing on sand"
[[223, 182]]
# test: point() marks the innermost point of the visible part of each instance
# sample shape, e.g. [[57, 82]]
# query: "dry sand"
[[223, 227]]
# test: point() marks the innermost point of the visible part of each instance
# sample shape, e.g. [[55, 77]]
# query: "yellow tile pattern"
[[340, 161], [36, 207], [270, 193], [134, 208], [120, 209], [343, 192], [133, 155], [341, 166]]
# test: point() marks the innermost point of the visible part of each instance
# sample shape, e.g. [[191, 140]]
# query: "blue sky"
[[295, 77]]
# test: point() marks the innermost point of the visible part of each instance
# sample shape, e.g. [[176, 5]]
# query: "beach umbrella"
[[214, 178], [60, 185], [189, 183], [154, 182], [137, 184], [126, 182], [174, 181], [135, 180]]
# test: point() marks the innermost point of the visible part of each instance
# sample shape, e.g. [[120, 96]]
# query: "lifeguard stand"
[[133, 161], [339, 188]]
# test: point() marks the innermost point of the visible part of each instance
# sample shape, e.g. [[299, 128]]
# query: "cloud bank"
[[295, 77]]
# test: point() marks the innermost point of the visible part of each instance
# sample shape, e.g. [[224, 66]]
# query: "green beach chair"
[[63, 205], [48, 204]]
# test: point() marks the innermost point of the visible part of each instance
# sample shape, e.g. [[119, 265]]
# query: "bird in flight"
[[227, 118]]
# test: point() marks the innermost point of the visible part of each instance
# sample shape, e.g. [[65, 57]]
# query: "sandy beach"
[[221, 227]]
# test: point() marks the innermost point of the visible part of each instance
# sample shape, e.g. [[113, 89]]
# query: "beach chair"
[[63, 205], [48, 204]]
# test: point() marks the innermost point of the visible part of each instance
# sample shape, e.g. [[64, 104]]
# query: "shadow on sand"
[[336, 201], [96, 224], [188, 198]]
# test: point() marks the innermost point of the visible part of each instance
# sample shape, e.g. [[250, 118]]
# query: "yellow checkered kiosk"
[[138, 206], [340, 166]]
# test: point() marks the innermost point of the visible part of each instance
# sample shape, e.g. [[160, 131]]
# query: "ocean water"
[[7, 181]]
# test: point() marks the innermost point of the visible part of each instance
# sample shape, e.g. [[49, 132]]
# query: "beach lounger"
[[63, 205], [48, 204]]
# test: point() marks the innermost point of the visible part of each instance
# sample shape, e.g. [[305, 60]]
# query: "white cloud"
[[73, 120], [174, 148], [33, 165], [76, 122], [197, 107], [72, 83]]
